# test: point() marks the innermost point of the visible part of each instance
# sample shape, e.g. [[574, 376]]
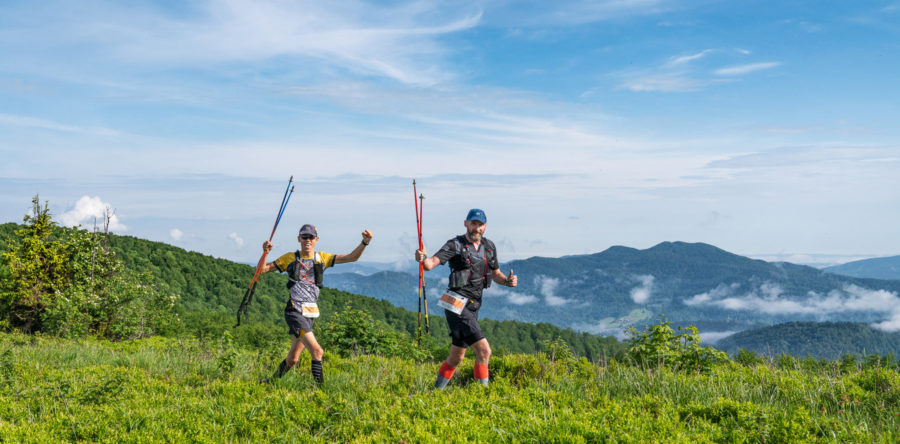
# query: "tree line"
[[74, 282]]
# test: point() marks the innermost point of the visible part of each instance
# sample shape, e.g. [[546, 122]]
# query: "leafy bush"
[[659, 346], [352, 332], [558, 350], [748, 358], [68, 283]]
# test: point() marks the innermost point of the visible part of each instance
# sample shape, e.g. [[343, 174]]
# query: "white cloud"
[[690, 58], [711, 337], [512, 297], [176, 234], [686, 73], [548, 288], [239, 241], [769, 298], [746, 69], [87, 210], [641, 294], [890, 325], [597, 328]]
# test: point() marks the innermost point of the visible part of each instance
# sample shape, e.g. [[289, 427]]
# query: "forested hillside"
[[823, 340], [692, 283], [210, 290], [876, 268]]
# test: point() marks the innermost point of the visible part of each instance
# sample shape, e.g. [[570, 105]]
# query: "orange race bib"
[[453, 302], [309, 309]]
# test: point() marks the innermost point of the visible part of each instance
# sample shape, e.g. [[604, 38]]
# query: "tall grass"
[[179, 390]]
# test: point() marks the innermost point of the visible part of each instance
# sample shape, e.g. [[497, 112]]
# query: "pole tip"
[[414, 181], [291, 179], [421, 196]]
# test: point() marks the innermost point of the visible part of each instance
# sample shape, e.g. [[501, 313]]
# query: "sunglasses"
[[307, 237]]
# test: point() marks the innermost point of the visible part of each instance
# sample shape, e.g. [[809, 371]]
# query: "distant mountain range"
[[691, 283], [877, 268], [823, 340]]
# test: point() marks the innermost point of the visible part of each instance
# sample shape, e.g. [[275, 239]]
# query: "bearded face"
[[475, 230]]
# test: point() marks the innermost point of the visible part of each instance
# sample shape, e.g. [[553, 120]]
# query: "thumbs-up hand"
[[512, 280]]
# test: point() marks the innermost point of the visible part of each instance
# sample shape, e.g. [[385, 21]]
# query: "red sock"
[[446, 371], [481, 371]]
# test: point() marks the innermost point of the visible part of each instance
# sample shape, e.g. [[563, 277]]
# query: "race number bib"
[[453, 302], [308, 309]]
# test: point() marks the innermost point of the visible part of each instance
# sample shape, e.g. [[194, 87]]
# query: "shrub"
[[658, 345], [352, 332], [748, 358], [68, 283]]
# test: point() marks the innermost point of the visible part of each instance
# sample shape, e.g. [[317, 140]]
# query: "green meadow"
[[185, 390]]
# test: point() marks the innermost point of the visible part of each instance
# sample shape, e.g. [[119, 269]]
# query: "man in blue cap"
[[473, 265]]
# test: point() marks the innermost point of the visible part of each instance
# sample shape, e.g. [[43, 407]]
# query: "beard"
[[473, 235]]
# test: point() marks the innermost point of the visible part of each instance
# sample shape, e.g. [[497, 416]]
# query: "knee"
[[316, 353], [484, 353]]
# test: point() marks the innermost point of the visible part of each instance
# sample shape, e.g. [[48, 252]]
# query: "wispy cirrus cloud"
[[668, 82], [681, 60], [532, 13], [397, 42], [690, 73], [745, 69], [34, 122]]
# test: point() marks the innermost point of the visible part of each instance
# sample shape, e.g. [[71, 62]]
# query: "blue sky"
[[767, 128]]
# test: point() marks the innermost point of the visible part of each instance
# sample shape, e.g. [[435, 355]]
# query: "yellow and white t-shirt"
[[301, 271]]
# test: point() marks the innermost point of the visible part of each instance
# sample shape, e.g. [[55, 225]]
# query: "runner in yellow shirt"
[[305, 268]]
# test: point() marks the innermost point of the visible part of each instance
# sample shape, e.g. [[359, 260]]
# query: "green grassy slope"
[[181, 390]]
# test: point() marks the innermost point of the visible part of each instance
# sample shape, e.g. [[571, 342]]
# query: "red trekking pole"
[[419, 202]]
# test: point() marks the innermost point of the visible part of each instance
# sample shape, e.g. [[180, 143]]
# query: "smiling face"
[[474, 230], [307, 244]]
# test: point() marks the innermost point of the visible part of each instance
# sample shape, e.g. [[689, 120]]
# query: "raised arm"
[[267, 247], [354, 255]]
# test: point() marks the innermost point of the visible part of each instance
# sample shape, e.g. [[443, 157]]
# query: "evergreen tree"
[[37, 268]]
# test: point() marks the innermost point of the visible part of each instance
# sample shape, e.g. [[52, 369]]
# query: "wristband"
[[365, 243]]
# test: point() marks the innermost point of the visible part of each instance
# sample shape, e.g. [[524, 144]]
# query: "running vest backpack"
[[461, 263], [296, 270]]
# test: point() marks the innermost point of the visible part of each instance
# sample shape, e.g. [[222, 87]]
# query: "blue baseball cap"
[[476, 214]]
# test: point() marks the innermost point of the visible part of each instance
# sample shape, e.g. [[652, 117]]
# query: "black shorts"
[[464, 328], [298, 324]]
